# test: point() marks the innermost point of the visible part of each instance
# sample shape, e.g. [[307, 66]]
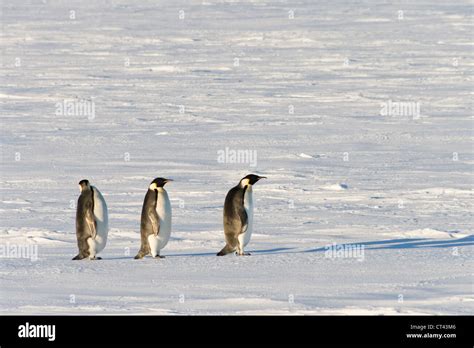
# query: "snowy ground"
[[305, 93]]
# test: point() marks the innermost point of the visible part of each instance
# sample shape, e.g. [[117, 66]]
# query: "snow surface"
[[304, 93]]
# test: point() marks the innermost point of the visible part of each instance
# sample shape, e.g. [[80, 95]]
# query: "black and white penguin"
[[92, 222], [238, 215], [155, 226]]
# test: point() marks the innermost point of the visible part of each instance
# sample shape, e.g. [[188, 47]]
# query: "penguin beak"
[[168, 180], [261, 177]]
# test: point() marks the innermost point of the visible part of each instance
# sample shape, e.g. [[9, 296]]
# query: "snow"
[[305, 93]]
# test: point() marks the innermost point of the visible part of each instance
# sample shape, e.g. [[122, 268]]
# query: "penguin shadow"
[[400, 243], [115, 258], [252, 252], [406, 243], [274, 251], [148, 257], [193, 254]]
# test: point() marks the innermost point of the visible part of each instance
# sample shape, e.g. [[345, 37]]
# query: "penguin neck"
[[160, 189], [247, 188], [87, 190], [245, 184]]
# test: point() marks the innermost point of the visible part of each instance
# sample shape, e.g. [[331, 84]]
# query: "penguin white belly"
[[97, 244], [163, 209], [248, 206]]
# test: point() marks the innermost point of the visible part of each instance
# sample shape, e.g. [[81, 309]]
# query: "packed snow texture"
[[359, 113]]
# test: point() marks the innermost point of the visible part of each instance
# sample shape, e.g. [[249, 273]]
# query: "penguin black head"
[[158, 182], [84, 184], [251, 179]]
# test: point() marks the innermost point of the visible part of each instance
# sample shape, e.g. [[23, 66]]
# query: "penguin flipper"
[[155, 221], [244, 220], [89, 215], [91, 222]]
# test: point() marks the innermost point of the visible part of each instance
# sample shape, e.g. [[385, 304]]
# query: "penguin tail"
[[226, 250], [140, 255]]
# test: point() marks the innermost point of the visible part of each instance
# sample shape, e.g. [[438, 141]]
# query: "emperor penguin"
[[92, 222], [238, 215], [155, 226]]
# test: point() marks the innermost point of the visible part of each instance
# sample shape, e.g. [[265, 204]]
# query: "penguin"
[[238, 216], [155, 226], [92, 222]]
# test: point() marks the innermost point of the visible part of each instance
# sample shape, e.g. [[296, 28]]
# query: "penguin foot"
[[138, 257], [159, 257], [243, 254]]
